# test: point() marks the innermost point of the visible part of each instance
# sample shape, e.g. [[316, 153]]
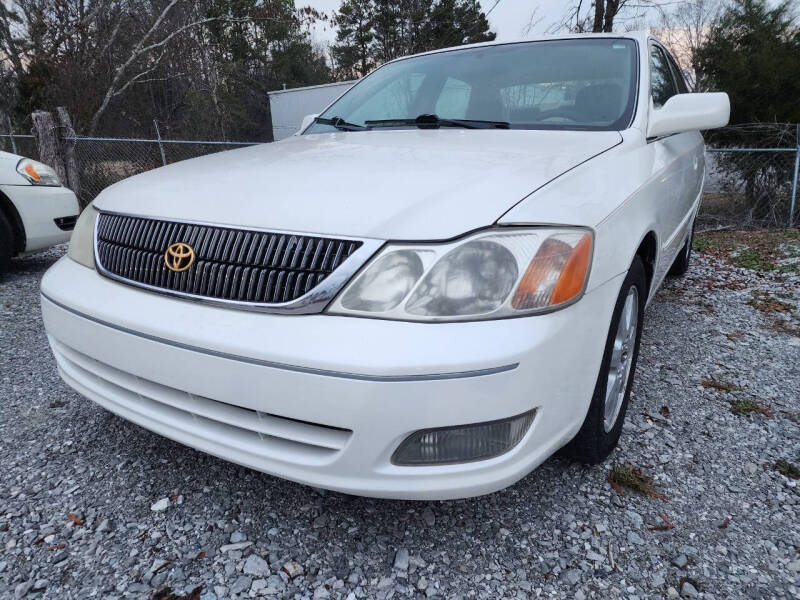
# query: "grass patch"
[[742, 408], [789, 268], [787, 469], [633, 478], [766, 303], [704, 244], [754, 260], [720, 386]]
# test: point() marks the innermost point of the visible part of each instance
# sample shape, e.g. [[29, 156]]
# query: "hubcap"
[[619, 370]]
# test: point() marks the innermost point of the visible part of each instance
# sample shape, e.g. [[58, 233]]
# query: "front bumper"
[[325, 400], [39, 207]]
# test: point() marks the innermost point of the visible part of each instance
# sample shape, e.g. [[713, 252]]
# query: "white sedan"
[[436, 285], [36, 211]]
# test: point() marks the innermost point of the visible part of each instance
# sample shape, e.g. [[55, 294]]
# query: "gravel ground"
[[94, 507]]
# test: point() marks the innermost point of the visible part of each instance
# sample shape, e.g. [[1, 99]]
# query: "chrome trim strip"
[[313, 302], [284, 366]]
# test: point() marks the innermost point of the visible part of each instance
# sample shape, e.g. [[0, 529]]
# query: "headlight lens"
[[471, 279], [37, 173], [494, 274], [385, 286], [81, 244]]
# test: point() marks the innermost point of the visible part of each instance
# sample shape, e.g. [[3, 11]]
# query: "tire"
[[681, 263], [6, 244], [599, 434]]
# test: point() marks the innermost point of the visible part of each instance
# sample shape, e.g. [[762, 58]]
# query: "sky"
[[509, 18]]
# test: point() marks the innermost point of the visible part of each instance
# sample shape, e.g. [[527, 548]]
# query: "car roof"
[[640, 36]]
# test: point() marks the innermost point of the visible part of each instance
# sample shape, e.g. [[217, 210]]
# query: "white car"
[[434, 287], [36, 211]]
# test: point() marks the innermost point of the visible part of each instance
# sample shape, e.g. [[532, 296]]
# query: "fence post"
[[46, 132], [160, 145], [11, 135], [67, 142], [794, 181]]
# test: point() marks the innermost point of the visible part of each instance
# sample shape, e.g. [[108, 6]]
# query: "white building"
[[288, 107]]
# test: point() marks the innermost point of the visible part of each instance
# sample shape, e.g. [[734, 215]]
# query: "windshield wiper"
[[434, 122], [340, 124]]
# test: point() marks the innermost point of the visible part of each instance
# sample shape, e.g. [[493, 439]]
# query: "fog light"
[[463, 443]]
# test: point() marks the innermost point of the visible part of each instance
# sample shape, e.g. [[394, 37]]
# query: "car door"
[[678, 166]]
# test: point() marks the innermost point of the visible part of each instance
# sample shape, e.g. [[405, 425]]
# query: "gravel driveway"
[[94, 507]]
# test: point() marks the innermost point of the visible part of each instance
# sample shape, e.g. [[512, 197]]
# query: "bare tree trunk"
[[612, 8], [599, 10]]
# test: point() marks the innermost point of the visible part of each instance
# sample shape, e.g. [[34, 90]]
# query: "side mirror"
[[307, 121], [689, 112]]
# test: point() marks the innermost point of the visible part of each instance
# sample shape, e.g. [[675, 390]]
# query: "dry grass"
[[768, 304], [633, 478], [781, 326], [720, 386], [167, 594]]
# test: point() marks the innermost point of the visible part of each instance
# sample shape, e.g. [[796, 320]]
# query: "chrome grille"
[[258, 267]]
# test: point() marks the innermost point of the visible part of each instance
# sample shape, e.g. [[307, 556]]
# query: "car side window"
[[678, 74], [662, 85]]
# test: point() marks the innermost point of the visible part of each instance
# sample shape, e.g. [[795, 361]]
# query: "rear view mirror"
[[307, 121], [689, 112]]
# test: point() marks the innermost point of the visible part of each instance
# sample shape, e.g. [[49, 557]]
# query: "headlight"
[[81, 244], [37, 173], [494, 274]]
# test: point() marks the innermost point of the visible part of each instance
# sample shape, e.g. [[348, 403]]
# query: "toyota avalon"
[[439, 282]]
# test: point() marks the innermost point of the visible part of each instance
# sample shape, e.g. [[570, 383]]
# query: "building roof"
[[311, 87]]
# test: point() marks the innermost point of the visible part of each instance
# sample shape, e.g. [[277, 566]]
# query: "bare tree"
[[533, 22], [684, 29], [9, 39], [601, 16], [145, 51]]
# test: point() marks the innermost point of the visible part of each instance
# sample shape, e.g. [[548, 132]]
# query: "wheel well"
[[647, 252], [9, 211]]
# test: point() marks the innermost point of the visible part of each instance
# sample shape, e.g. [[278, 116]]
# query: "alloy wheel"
[[619, 369]]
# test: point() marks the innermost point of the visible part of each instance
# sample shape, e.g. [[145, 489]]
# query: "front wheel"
[[601, 428], [6, 244]]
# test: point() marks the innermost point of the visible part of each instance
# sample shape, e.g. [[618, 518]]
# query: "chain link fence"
[[752, 176], [24, 145], [751, 170]]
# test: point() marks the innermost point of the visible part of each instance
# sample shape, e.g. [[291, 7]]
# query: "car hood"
[[393, 184]]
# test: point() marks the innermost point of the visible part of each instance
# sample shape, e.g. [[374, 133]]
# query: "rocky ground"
[[94, 507]]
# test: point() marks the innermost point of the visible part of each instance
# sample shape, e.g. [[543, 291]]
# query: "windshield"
[[585, 84]]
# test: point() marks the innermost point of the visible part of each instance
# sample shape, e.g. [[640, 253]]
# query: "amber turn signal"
[[556, 274], [31, 171]]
